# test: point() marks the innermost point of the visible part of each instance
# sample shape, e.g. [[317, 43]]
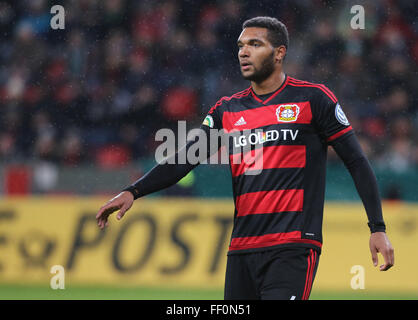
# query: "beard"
[[263, 72]]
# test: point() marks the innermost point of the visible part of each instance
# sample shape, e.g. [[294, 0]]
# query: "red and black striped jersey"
[[279, 197]]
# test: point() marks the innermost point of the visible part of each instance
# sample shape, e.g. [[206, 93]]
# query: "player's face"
[[255, 54]]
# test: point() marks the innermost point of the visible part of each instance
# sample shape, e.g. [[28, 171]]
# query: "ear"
[[280, 53]]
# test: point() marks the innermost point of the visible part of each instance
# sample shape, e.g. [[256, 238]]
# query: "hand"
[[379, 242], [122, 202]]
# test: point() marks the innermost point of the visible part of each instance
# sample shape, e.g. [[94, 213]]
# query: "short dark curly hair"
[[277, 32]]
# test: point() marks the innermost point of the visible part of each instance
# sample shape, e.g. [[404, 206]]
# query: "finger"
[[99, 214], [374, 256], [107, 210], [385, 267], [103, 210], [98, 218], [392, 256], [104, 222], [100, 223], [122, 212], [388, 261], [101, 217]]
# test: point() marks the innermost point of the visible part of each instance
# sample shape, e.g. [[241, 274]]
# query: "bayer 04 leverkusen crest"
[[287, 113]]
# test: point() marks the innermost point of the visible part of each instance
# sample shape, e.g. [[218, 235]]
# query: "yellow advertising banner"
[[183, 242], [346, 255], [158, 242]]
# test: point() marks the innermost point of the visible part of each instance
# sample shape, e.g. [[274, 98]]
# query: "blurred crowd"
[[97, 91]]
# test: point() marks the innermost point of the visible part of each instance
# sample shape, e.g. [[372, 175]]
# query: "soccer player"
[[277, 234]]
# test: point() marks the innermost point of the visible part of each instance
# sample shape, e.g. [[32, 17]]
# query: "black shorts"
[[279, 274]]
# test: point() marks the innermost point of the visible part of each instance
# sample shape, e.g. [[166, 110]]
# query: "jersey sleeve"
[[329, 116], [163, 175], [212, 119]]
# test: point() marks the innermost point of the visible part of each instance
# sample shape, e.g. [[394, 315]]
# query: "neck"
[[270, 84]]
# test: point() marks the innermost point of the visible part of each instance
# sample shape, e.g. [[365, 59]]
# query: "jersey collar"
[[270, 96]]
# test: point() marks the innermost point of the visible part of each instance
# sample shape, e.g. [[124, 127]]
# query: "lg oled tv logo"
[[262, 137]]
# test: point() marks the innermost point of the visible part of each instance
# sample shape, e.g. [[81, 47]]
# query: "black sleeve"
[[349, 150], [328, 115], [169, 172]]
